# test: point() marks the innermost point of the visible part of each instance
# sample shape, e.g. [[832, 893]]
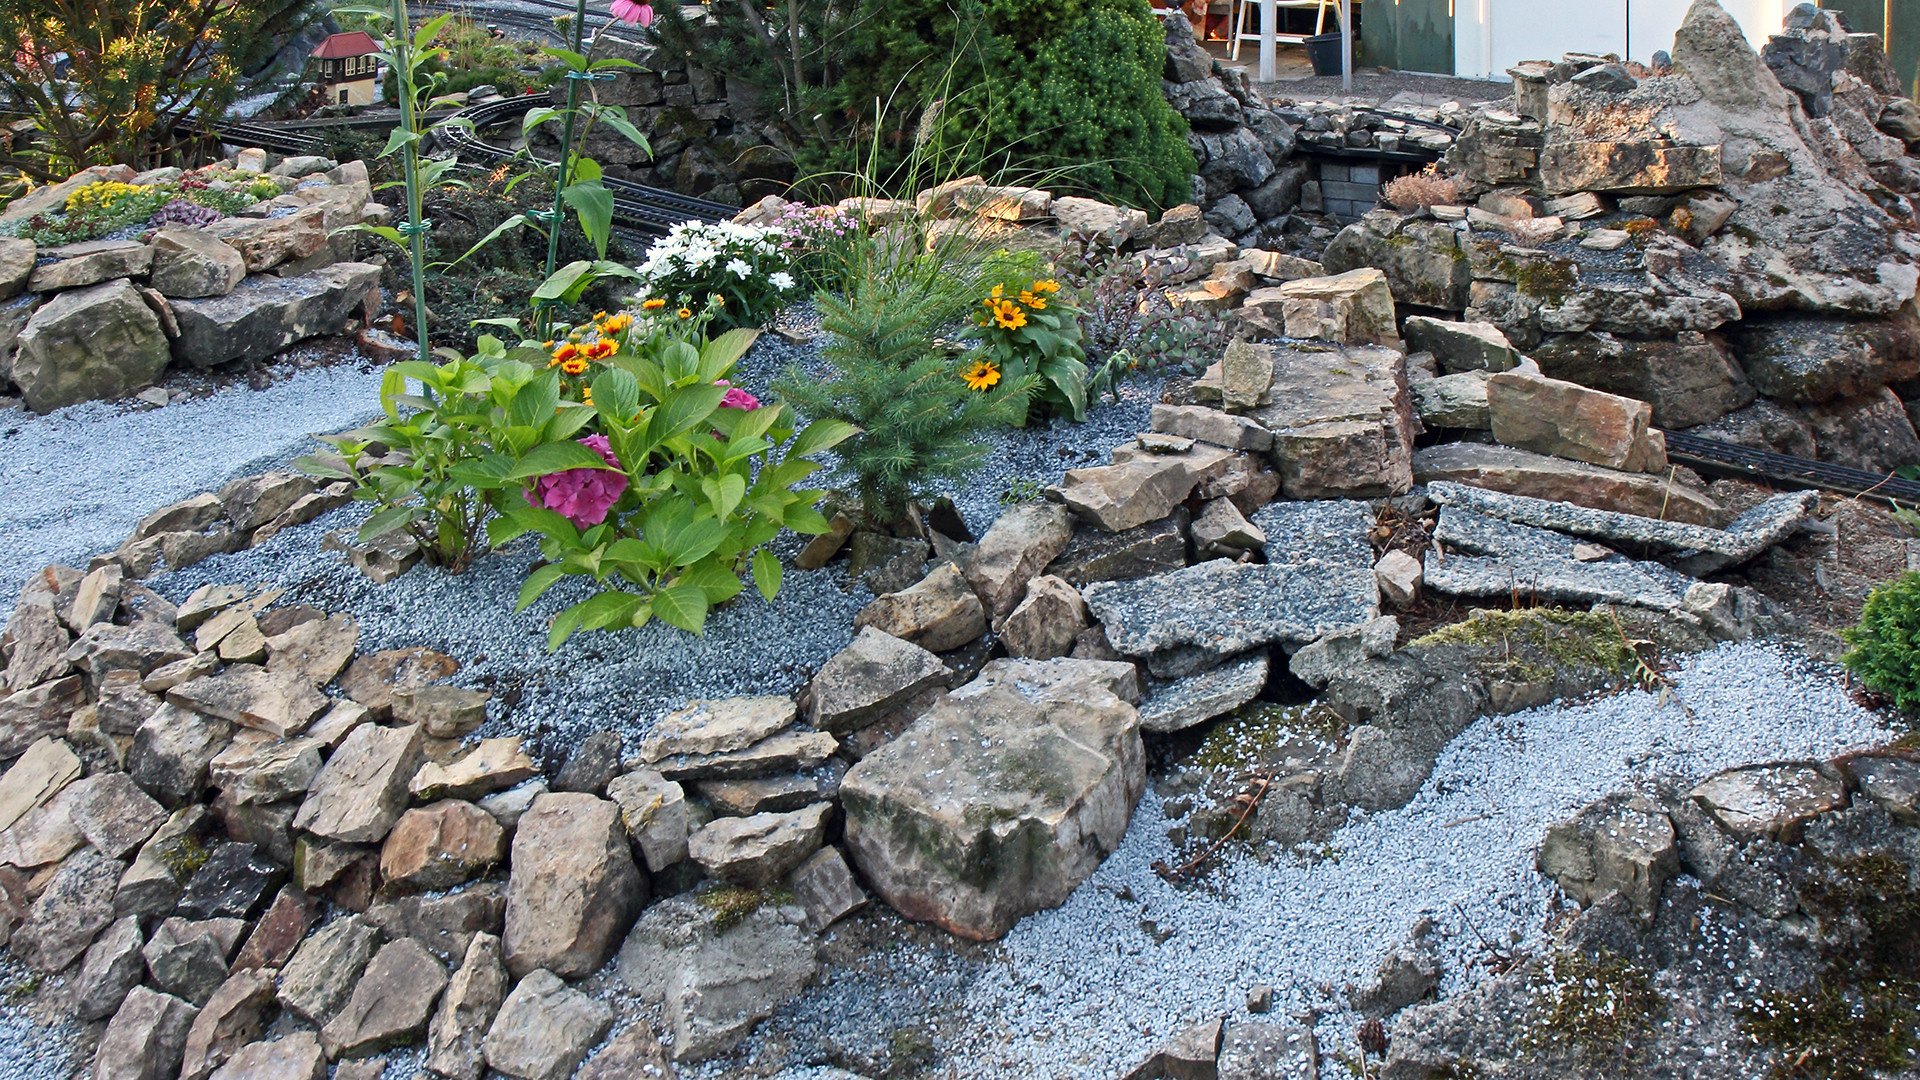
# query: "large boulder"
[[98, 342], [574, 889], [266, 314], [1001, 799], [1422, 259], [1871, 432], [79, 265], [1014, 551], [191, 263], [1813, 358], [1342, 421], [1691, 380], [1551, 416]]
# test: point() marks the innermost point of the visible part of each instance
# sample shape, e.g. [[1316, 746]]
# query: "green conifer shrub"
[[1885, 651]]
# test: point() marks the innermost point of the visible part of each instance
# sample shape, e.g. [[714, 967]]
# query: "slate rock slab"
[[1224, 607], [1179, 704]]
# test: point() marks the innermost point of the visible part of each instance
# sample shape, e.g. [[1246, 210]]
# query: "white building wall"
[[1490, 36]]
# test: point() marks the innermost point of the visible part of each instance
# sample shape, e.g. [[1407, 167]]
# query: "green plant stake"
[[415, 228]]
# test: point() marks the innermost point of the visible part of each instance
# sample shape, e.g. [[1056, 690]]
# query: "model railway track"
[[1725, 459], [647, 209]]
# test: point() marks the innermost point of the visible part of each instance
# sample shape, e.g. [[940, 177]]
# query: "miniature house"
[[349, 68]]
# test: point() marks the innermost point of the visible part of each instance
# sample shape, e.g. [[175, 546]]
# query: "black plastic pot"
[[1324, 51]]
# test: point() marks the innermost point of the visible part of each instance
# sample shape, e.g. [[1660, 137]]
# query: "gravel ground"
[[1086, 990], [74, 483]]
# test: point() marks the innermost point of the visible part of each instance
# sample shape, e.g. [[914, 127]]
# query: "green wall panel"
[[1411, 35]]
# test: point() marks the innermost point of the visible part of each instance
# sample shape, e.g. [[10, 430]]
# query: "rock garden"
[[973, 628]]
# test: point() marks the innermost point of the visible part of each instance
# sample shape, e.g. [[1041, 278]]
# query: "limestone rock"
[[717, 726], [1771, 801], [445, 712], [17, 256], [654, 810], [1342, 422], [456, 1039], [144, 1039], [573, 889], [113, 965], [76, 906], [1351, 308], [318, 650], [294, 1057], [279, 703], [1226, 608], [441, 845], [1044, 624], [39, 644], [1054, 755], [493, 765], [760, 850], [826, 888], [1399, 575], [1014, 550], [391, 1003], [233, 1017], [1176, 705], [544, 1029], [188, 959], [784, 752], [1216, 427], [258, 768], [320, 977], [1144, 550], [1692, 380], [941, 612], [172, 751], [1453, 401], [37, 712], [1892, 782], [716, 980], [1090, 217], [1222, 530], [89, 263], [1422, 259], [266, 314], [1522, 472], [1626, 846], [874, 676], [97, 342], [42, 772], [1548, 416], [1626, 168], [1462, 346], [363, 788], [113, 813], [43, 836], [265, 243], [192, 263]]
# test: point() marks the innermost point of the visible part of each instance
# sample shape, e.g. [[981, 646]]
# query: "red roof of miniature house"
[[340, 46]]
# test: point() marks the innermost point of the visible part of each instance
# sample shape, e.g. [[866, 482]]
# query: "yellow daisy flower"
[[654, 304], [980, 375], [1009, 316]]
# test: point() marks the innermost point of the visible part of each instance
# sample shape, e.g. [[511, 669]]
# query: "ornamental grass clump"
[[1885, 651]]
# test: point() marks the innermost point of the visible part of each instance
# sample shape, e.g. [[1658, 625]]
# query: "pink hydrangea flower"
[[582, 496], [630, 13], [736, 398]]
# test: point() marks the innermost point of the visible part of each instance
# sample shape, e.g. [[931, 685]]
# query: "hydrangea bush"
[[748, 268]]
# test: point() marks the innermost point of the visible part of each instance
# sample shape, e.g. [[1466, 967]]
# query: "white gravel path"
[[1083, 991], [74, 483]]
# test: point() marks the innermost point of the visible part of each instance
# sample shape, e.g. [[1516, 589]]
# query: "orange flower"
[[575, 366], [616, 324], [598, 315], [1046, 285], [685, 313], [655, 304], [563, 354], [600, 350]]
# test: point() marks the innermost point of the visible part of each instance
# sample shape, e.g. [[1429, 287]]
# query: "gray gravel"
[[73, 483], [1085, 991]]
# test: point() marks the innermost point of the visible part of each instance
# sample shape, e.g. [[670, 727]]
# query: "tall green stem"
[[544, 316], [416, 226]]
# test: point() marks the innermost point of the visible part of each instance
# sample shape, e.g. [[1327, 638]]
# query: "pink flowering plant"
[[672, 494]]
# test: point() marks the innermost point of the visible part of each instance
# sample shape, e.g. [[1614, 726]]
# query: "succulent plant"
[[182, 212]]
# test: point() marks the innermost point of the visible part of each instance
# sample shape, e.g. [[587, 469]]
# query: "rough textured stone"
[[785, 752], [234, 882], [1399, 576], [1135, 490], [1453, 401], [632, 1053], [318, 649], [323, 971], [188, 958], [371, 680], [1342, 422], [1422, 259], [391, 1003], [1054, 754], [1217, 427], [1021, 542], [654, 811], [267, 242], [826, 888], [259, 768], [874, 676], [1265, 1050], [446, 712], [98, 342], [1871, 432], [113, 813], [1222, 530], [296, 1056], [1179, 704], [191, 263], [1810, 359], [1521, 472], [1097, 555], [1626, 846], [440, 846], [544, 1029], [1689, 381], [43, 836], [716, 981], [941, 612], [573, 889], [1350, 309], [1892, 782], [1626, 168], [1225, 608], [42, 772], [1771, 801], [760, 850], [773, 794], [1563, 419], [492, 765], [112, 966], [716, 726], [1543, 564], [172, 751], [234, 1016], [1755, 530], [90, 262], [363, 788], [152, 885], [279, 703], [1044, 624], [1462, 346], [279, 930], [76, 906], [37, 712], [144, 1039]]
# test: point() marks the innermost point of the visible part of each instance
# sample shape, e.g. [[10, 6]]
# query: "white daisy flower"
[[781, 280], [739, 268]]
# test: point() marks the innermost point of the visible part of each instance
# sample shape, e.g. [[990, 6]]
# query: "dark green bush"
[[1886, 644]]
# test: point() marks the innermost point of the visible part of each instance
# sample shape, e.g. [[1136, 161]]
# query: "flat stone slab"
[[1773, 801], [1745, 537], [1182, 703], [1491, 557], [1329, 531], [717, 726], [1224, 607], [1522, 472]]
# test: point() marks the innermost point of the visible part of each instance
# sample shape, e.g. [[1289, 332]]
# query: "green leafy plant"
[[676, 494], [916, 417], [1885, 651], [1026, 327]]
